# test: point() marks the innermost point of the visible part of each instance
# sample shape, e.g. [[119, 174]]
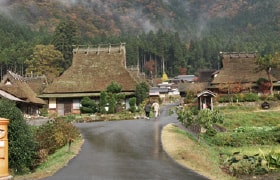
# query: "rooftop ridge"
[[109, 48]]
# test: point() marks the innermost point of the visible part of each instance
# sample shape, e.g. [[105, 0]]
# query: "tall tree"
[[45, 61], [266, 63], [64, 38]]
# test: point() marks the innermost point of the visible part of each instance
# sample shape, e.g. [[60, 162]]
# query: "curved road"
[[124, 150]]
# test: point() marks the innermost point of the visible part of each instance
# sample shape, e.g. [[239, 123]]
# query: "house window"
[[76, 104], [52, 103]]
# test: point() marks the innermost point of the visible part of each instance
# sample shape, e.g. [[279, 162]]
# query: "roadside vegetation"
[[245, 138], [31, 146]]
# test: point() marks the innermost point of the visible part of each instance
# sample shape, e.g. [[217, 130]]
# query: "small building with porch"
[[205, 100]]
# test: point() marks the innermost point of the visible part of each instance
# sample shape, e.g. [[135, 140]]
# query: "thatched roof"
[[92, 71], [16, 85], [37, 83], [238, 68], [195, 87], [205, 75]]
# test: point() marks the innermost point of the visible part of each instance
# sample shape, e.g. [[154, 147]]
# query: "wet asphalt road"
[[124, 150]]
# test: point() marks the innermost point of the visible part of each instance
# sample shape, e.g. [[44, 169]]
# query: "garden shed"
[[205, 99]]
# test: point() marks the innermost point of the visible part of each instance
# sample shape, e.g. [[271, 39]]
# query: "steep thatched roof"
[[92, 71], [195, 87], [16, 85], [205, 75], [238, 68]]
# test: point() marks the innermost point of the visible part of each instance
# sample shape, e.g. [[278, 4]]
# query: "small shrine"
[[205, 100]]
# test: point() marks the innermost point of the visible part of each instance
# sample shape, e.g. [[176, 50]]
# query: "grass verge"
[[185, 151], [54, 162]]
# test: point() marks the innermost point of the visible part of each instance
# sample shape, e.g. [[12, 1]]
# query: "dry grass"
[[190, 154]]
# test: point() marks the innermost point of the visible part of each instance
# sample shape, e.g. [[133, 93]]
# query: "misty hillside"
[[184, 35], [191, 18]]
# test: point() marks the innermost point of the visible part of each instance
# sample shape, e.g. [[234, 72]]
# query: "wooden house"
[[238, 73], [16, 88], [92, 70]]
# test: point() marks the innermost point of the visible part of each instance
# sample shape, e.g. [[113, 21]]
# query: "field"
[[250, 149]]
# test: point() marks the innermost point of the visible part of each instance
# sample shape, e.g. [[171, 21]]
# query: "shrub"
[[238, 164], [132, 104], [114, 88], [251, 97], [190, 97], [112, 102], [238, 98], [102, 102], [22, 145], [54, 135], [88, 105], [224, 98], [141, 92]]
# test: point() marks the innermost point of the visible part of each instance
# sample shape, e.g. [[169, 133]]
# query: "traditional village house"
[[92, 70], [238, 73], [16, 88]]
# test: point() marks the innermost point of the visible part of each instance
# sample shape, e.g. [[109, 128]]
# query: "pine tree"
[[64, 38]]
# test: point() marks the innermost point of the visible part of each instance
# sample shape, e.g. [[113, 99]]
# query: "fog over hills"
[[191, 18]]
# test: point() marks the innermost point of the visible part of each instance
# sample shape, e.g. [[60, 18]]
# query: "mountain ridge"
[[112, 17]]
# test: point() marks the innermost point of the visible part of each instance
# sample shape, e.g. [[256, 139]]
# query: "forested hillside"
[[182, 34]]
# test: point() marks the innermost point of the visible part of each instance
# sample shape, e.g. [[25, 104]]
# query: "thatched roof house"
[[238, 68], [193, 87], [18, 87], [92, 70]]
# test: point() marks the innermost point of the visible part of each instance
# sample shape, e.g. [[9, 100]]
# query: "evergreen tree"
[[141, 92], [65, 37]]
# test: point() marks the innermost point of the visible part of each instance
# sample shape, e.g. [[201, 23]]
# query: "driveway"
[[124, 150]]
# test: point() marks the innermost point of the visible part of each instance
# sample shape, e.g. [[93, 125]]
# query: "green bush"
[[132, 104], [190, 97], [238, 164], [114, 88], [22, 145], [238, 98], [224, 98], [141, 92], [88, 105], [112, 102], [251, 97]]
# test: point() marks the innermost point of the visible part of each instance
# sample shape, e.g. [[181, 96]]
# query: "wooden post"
[[4, 169]]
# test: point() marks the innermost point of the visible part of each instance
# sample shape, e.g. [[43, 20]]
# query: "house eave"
[[76, 95]]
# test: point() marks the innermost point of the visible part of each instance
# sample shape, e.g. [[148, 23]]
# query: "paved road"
[[124, 150]]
